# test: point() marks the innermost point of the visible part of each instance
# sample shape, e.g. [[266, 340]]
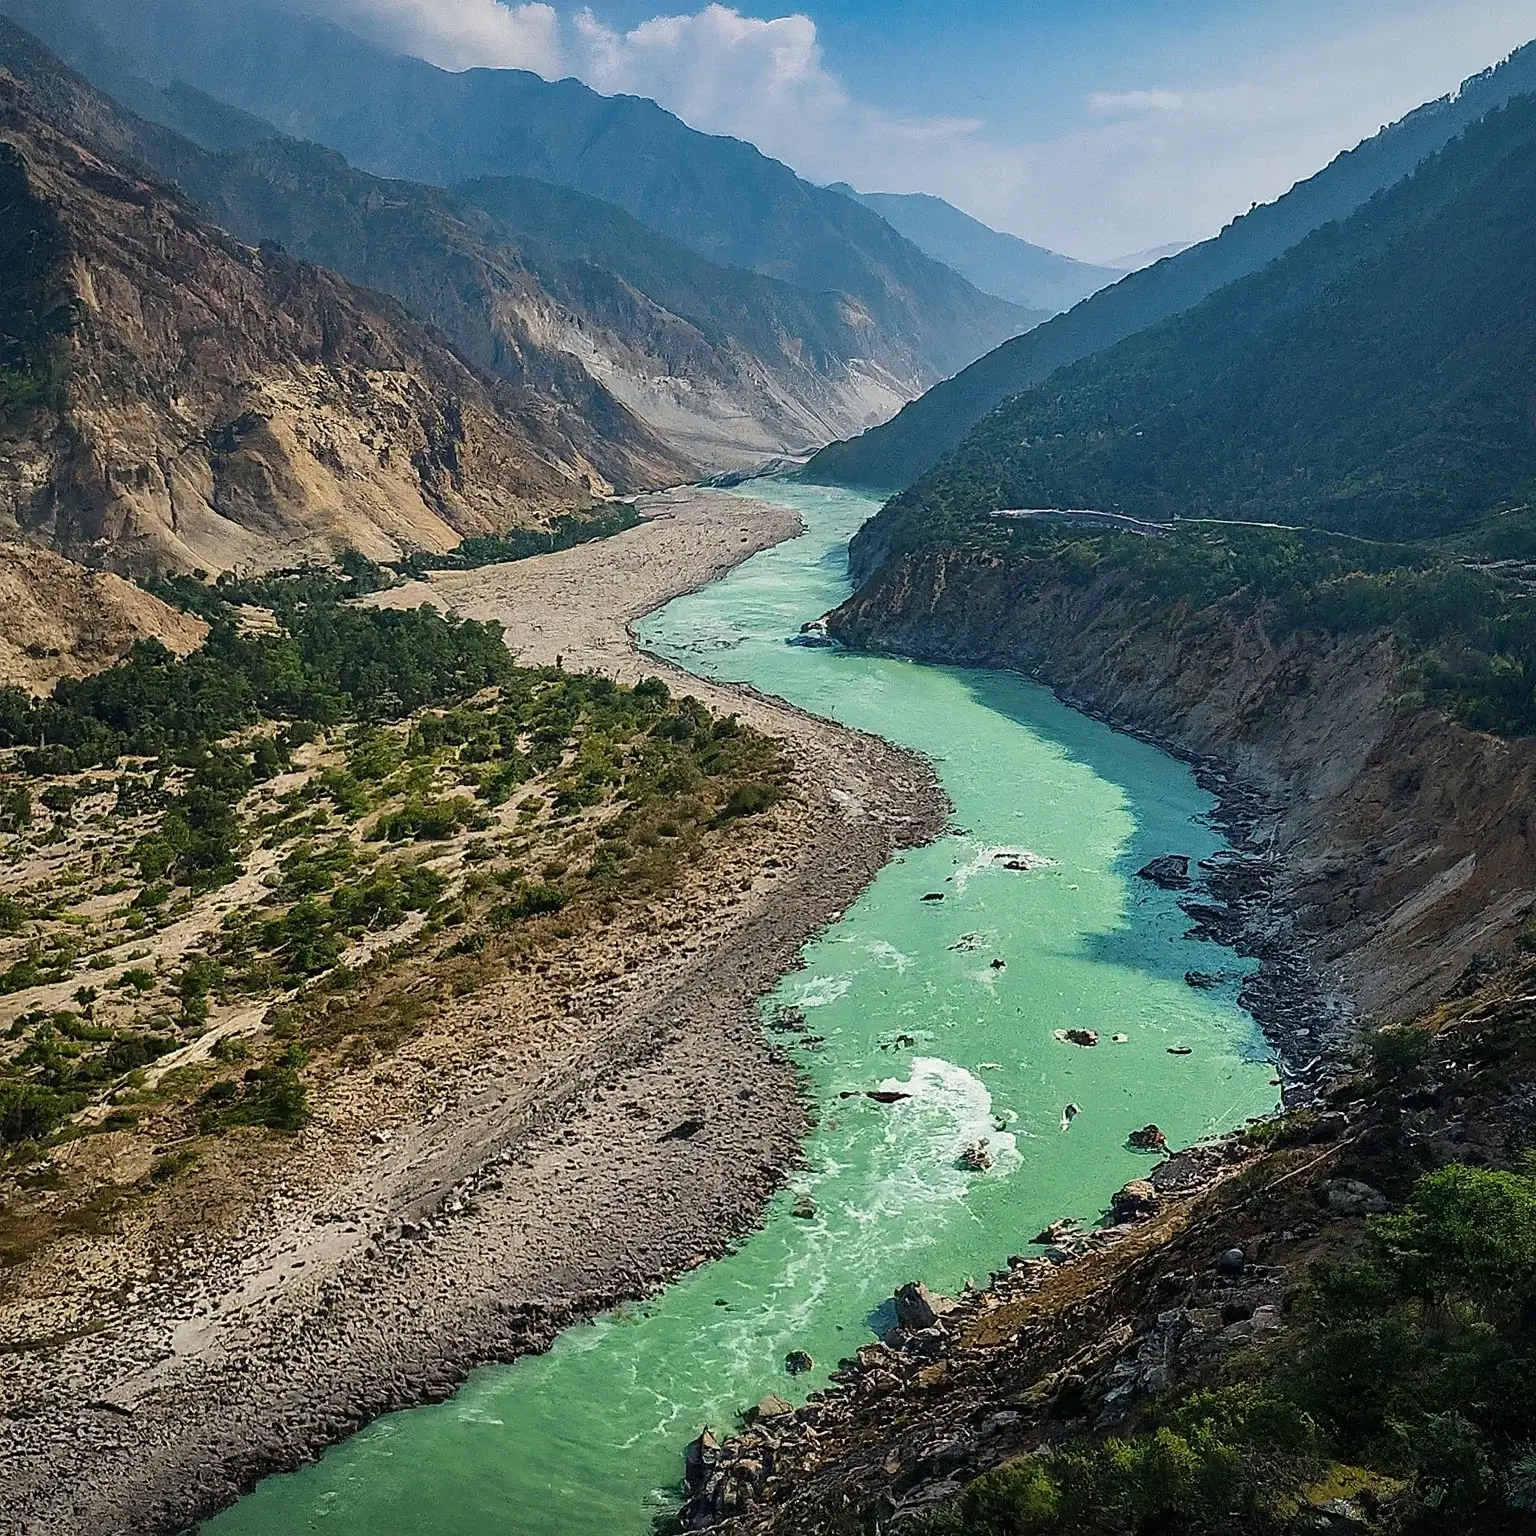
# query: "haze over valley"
[[767, 774]]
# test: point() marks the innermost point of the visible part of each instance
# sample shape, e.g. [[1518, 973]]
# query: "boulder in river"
[[1088, 1037], [1057, 1232], [918, 1308], [700, 1458], [804, 1209], [772, 1407], [976, 1158], [1168, 873], [886, 1095], [1138, 1200], [797, 1362], [1148, 1139]]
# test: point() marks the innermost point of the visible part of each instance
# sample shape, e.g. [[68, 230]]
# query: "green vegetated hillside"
[[996, 262], [413, 816], [1376, 379], [897, 453], [401, 117]]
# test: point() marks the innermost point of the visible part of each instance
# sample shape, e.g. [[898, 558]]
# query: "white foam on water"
[[893, 1197], [994, 856], [950, 1109], [819, 991], [889, 956]]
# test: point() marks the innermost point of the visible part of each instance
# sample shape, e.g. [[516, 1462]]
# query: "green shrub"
[[32, 1113], [750, 800]]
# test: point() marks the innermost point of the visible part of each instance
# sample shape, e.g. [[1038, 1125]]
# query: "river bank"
[[1395, 839], [637, 1138]]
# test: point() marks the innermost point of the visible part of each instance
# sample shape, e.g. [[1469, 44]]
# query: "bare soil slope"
[[59, 620], [176, 398]]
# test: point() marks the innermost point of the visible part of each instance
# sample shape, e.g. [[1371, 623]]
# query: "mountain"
[[403, 118], [1136, 260], [1375, 380], [1004, 265], [895, 454], [171, 397], [728, 366]]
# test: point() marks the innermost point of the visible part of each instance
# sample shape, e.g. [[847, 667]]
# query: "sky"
[[1094, 127]]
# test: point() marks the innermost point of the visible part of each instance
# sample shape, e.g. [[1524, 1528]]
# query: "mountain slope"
[[1013, 269], [401, 117], [1376, 380], [521, 276], [731, 365], [896, 453], [171, 397]]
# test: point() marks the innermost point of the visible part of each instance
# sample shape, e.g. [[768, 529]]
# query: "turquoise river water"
[[587, 1440]]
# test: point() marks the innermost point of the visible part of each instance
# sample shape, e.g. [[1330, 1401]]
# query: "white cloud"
[[1146, 162], [459, 34], [761, 80], [1135, 101], [718, 70]]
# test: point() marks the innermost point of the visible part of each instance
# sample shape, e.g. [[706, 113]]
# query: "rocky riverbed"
[[642, 1135]]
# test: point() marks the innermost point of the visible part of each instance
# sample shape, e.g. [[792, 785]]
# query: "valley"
[[614, 919], [347, 1256]]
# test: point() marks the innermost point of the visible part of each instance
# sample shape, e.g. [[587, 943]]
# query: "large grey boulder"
[[1350, 1197], [917, 1307]]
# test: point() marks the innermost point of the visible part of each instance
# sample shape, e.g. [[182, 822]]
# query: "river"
[[956, 1003]]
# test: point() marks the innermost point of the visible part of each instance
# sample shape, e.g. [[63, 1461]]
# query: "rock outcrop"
[[176, 398]]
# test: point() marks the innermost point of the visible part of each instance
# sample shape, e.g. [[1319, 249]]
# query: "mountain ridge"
[[730, 367], [1374, 380], [403, 118], [997, 263], [895, 454]]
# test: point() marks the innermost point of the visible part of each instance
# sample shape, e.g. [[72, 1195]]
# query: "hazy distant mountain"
[[996, 263], [401, 117], [1139, 259], [895, 454], [1374, 380]]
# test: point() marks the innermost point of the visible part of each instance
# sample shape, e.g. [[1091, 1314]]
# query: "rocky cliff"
[[173, 397], [1401, 840]]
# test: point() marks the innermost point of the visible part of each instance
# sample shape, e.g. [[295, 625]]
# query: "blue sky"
[[1098, 127]]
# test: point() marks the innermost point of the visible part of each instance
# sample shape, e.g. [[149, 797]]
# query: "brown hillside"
[[169, 396], [59, 620]]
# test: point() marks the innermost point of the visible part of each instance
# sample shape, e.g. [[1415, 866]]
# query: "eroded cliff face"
[[196, 403], [1402, 840]]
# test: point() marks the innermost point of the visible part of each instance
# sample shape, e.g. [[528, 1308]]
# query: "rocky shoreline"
[[1232, 902], [1068, 1341], [525, 1201]]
